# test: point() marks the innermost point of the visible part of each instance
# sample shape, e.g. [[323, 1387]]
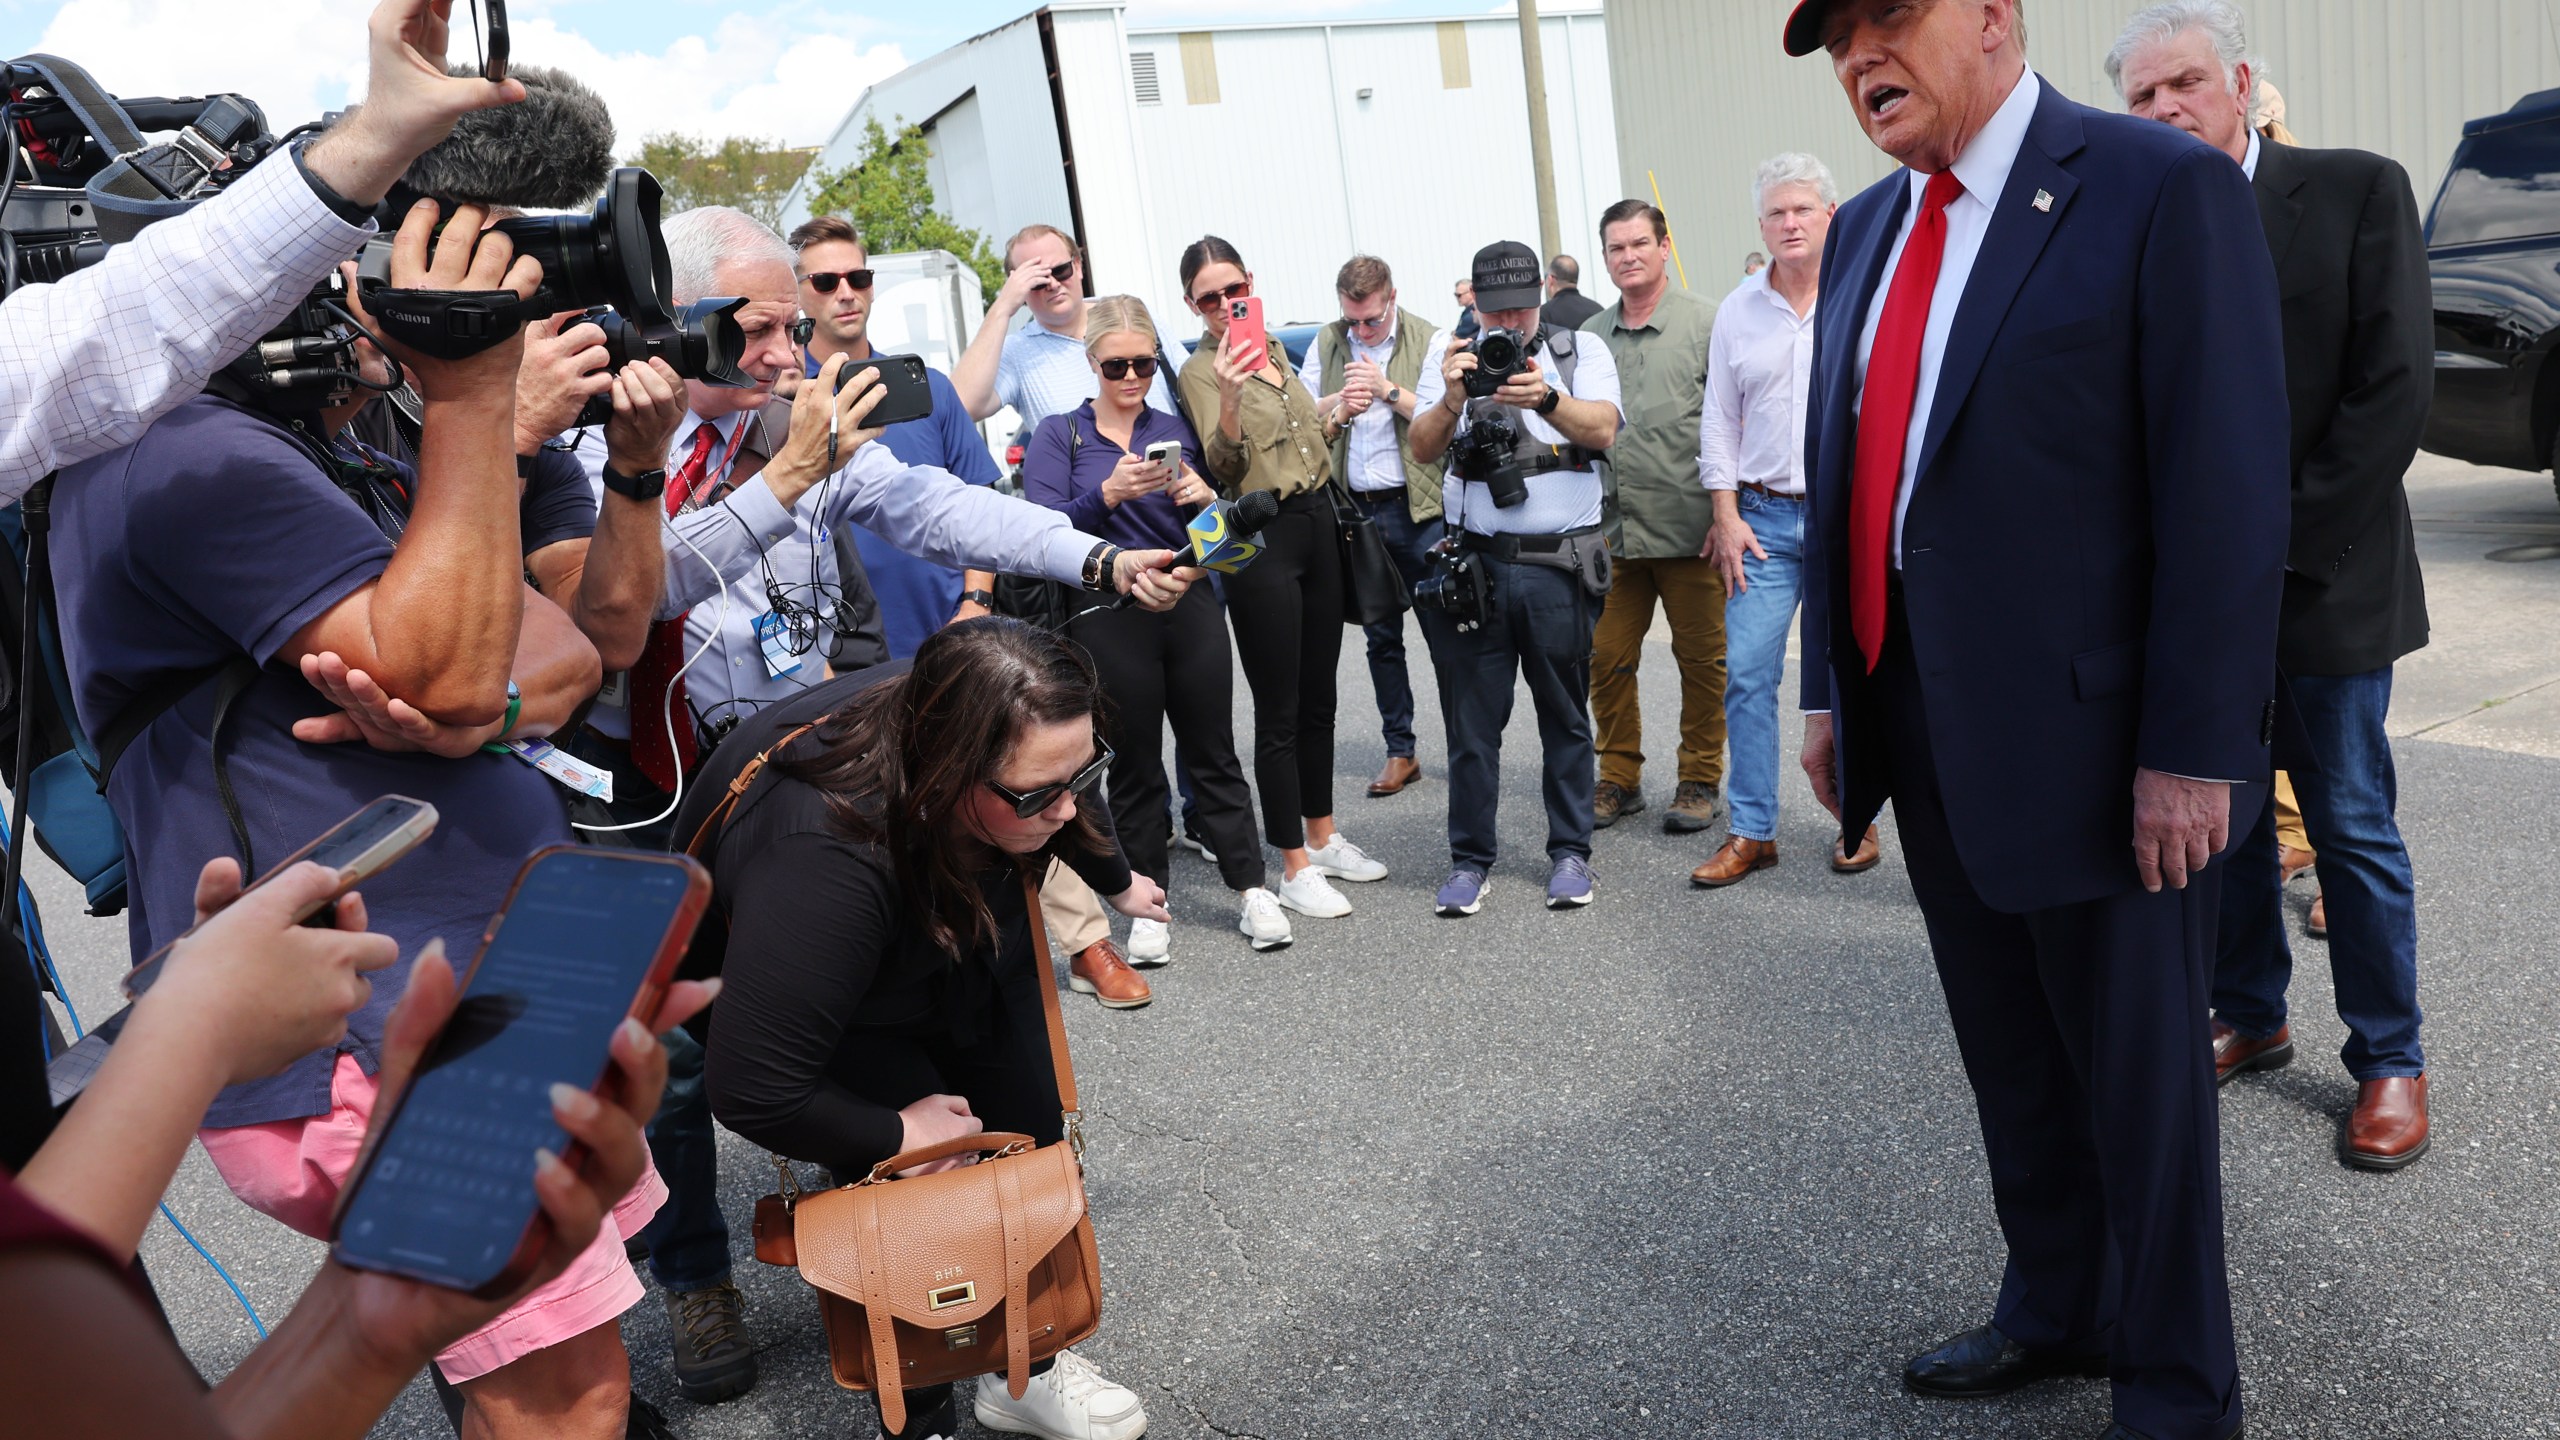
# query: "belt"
[[1512, 547], [1756, 488]]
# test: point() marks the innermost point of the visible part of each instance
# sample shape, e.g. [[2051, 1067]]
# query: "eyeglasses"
[[1118, 367], [1237, 291], [827, 280], [1028, 803]]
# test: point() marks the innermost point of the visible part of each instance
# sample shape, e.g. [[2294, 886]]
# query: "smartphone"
[[1167, 453], [1245, 332], [493, 37], [359, 847], [444, 1189], [910, 395]]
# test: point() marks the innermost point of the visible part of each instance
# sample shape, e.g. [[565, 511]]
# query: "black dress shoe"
[[2119, 1432], [1985, 1362]]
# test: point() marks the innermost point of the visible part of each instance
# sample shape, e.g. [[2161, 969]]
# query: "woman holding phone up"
[[873, 941], [1097, 464], [1286, 605]]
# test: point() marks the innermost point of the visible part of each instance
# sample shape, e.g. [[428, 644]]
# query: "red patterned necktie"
[[654, 682], [1884, 412]]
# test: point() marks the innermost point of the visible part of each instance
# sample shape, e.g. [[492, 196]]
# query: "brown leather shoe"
[[1402, 770], [2234, 1052], [1870, 854], [1611, 800], [2316, 925], [1099, 971], [2389, 1127], [2291, 862], [1736, 858]]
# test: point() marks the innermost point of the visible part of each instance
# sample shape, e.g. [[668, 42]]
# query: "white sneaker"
[[1344, 861], [1071, 1402], [1262, 922], [1309, 893], [1149, 944]]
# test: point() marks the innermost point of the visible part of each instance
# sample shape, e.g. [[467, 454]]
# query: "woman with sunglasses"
[[1091, 464], [869, 927], [1286, 605]]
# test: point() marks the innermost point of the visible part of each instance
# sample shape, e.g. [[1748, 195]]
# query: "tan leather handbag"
[[973, 1271]]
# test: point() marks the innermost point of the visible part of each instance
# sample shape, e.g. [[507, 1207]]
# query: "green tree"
[[888, 195], [753, 175]]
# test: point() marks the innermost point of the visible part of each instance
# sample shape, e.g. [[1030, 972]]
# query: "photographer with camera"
[[88, 363], [210, 567], [1522, 413]]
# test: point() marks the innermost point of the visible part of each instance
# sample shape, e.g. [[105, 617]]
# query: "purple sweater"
[[1067, 476]]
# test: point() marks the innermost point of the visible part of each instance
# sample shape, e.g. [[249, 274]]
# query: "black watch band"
[[647, 485], [983, 598], [1098, 564], [1554, 398]]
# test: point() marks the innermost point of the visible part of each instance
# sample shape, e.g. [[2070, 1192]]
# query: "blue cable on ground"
[[33, 928]]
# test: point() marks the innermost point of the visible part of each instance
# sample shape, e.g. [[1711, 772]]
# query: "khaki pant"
[[1692, 595], [2289, 831], [1073, 911]]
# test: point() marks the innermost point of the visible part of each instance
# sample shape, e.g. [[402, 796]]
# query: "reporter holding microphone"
[[1091, 464], [1287, 608]]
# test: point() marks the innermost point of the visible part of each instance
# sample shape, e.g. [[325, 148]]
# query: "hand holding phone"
[[905, 392], [1166, 455], [1246, 336], [264, 988]]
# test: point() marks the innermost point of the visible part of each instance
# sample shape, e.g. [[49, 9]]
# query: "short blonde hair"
[[1117, 315]]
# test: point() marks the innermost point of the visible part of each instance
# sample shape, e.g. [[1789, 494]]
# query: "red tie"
[[654, 680], [1884, 411]]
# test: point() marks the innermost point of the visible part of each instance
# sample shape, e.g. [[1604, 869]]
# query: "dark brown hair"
[[900, 765], [1202, 253], [819, 229], [1626, 210]]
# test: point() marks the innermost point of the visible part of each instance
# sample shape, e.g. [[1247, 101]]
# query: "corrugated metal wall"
[[1702, 92]]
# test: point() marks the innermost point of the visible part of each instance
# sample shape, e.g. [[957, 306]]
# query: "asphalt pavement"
[[1693, 1163]]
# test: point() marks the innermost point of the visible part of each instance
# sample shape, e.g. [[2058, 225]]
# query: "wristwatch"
[[984, 599], [647, 485], [1548, 405], [1395, 396], [1098, 565]]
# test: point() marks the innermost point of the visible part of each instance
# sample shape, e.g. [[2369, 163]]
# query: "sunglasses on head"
[[1118, 367], [1028, 803], [827, 280], [1237, 291]]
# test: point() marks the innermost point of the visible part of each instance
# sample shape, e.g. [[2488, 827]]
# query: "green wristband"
[[515, 709]]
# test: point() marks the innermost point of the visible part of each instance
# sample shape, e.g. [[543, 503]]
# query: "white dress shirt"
[[1376, 462], [1759, 375], [1559, 500], [1983, 169], [2249, 163], [88, 363]]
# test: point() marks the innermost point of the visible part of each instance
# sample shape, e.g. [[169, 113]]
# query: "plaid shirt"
[[87, 364]]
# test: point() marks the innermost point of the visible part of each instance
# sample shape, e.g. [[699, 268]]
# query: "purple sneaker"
[[1569, 884], [1462, 893]]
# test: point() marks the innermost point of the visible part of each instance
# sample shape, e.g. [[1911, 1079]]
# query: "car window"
[[2505, 185]]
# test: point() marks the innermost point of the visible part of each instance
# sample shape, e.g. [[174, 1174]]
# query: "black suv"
[[2493, 250]]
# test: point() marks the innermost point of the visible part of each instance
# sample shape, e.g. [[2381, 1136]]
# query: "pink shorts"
[[291, 1170]]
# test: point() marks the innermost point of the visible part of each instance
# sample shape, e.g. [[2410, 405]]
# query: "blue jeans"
[[1410, 544], [1537, 629], [2347, 808], [1756, 625], [688, 1240]]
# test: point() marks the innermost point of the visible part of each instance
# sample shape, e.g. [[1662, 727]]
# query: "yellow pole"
[[1670, 238]]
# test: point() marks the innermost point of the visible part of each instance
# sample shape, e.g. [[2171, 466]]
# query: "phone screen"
[[447, 1195]]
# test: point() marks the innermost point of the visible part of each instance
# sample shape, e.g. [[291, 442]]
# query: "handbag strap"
[[1070, 1111], [708, 832]]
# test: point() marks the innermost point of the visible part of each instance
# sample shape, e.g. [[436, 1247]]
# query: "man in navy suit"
[[2046, 467]]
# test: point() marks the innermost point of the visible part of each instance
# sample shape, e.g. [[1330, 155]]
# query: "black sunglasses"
[[827, 280], [1118, 367], [1237, 291], [1027, 803]]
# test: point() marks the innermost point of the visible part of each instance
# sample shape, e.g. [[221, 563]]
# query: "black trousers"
[[1287, 609], [1537, 630], [1175, 666], [2084, 1033]]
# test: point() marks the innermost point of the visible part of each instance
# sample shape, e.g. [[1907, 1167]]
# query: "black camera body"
[[1488, 452], [1457, 586], [1500, 354], [702, 341]]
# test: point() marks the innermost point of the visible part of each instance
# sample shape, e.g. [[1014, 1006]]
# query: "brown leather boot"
[[2291, 862], [2389, 1127], [1099, 971], [1736, 858], [1611, 800], [2316, 925], [1870, 853], [2234, 1052], [1402, 770]]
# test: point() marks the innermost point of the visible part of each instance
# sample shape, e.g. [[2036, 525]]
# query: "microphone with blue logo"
[[1223, 533]]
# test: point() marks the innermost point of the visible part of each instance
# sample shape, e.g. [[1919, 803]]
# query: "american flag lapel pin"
[[2044, 202]]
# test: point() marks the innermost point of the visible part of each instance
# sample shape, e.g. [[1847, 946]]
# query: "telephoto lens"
[[703, 342], [1488, 452]]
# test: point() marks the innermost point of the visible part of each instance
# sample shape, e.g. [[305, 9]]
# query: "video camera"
[[702, 342]]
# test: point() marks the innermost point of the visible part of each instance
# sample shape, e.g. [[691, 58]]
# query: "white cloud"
[[786, 72]]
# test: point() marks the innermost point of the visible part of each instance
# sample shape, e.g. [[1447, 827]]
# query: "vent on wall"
[[1142, 77]]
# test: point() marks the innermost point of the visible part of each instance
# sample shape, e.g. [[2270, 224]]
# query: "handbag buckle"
[[949, 1295], [790, 1182], [1075, 1134]]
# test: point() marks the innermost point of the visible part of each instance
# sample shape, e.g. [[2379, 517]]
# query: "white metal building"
[[1704, 92], [1302, 143]]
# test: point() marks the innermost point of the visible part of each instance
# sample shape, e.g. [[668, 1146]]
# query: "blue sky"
[[785, 69]]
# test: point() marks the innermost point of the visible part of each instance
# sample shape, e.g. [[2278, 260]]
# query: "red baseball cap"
[[1804, 26]]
